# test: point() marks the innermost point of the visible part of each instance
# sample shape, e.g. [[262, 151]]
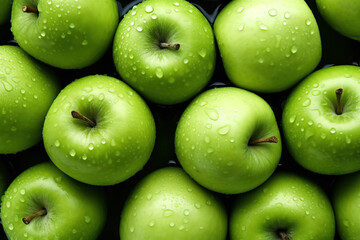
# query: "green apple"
[[65, 33], [99, 131], [267, 45], [321, 121], [5, 9], [346, 203], [287, 206], [44, 203], [168, 204], [27, 90], [343, 16], [167, 60], [226, 140]]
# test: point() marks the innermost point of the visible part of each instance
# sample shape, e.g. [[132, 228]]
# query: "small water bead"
[[87, 219], [154, 16], [139, 29], [84, 157], [272, 12], [151, 224], [212, 114], [332, 130], [241, 27], [240, 9], [293, 49], [84, 43], [91, 146], [202, 53], [186, 212], [72, 25], [149, 9], [287, 15], [306, 103], [159, 73], [171, 224], [307, 22], [224, 129], [181, 227], [11, 227], [186, 61], [72, 152], [263, 27], [176, 4], [57, 143]]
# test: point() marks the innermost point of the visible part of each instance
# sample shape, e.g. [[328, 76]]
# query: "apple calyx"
[[173, 46], [284, 236], [339, 108], [271, 139], [78, 115], [29, 9], [28, 219]]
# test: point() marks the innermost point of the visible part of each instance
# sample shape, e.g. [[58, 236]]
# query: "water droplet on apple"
[[202, 53], [149, 9], [292, 119], [243, 227], [224, 129], [11, 226], [323, 136], [212, 114], [208, 202], [84, 43], [240, 9], [287, 15], [261, 60], [347, 140], [13, 129], [332, 130], [139, 29], [307, 22], [272, 12], [293, 49], [210, 150], [74, 231], [87, 219], [181, 227], [197, 205], [84, 157], [186, 61], [8, 204], [57, 143], [168, 213], [58, 179], [241, 27], [306, 103], [132, 229], [316, 92], [347, 75], [152, 223], [22, 191], [159, 73], [263, 27], [72, 25], [72, 152]]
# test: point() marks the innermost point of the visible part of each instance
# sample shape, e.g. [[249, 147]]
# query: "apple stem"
[[339, 108], [29, 9], [28, 219], [272, 139], [174, 46], [284, 236], [77, 115]]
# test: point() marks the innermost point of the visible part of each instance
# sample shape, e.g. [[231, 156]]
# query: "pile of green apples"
[[169, 119]]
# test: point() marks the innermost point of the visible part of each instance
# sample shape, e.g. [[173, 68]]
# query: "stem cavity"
[[173, 46], [77, 115], [272, 139], [339, 108], [284, 236], [28, 219], [29, 9]]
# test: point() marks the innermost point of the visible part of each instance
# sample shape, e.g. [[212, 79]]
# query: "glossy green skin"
[[162, 75], [346, 202], [74, 210], [343, 16], [267, 46], [318, 138], [168, 204], [27, 90], [5, 10], [66, 34], [286, 202], [211, 140], [116, 148]]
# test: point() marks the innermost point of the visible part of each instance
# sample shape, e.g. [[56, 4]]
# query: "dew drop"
[[87, 219], [72, 25], [307, 22], [241, 27], [202, 53], [11, 226], [149, 9], [91, 146], [332, 130], [292, 119], [186, 61], [72, 152], [186, 212], [240, 9], [22, 191], [132, 229], [159, 73], [212, 114], [293, 49], [287, 15], [84, 43], [139, 29], [168, 213], [224, 129], [57, 143], [306, 103], [272, 12], [151, 224]]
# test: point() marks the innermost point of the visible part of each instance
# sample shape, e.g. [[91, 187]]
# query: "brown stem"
[[77, 115], [339, 108], [284, 236], [272, 139], [174, 46], [29, 9], [28, 219]]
